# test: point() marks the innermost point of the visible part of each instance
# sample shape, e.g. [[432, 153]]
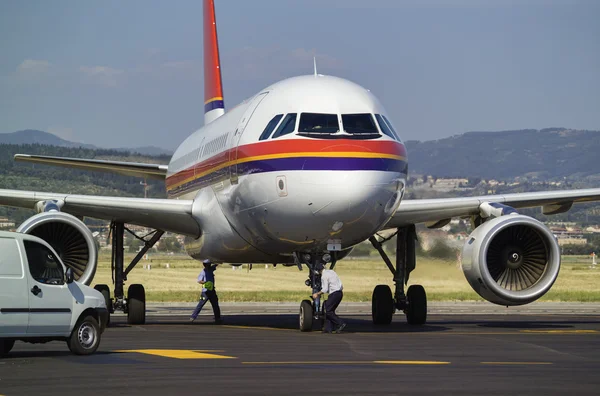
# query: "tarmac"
[[465, 348]]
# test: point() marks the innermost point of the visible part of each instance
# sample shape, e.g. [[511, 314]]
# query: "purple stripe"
[[298, 163]]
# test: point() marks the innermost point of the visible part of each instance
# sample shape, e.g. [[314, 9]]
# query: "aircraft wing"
[[155, 171], [164, 214], [437, 212]]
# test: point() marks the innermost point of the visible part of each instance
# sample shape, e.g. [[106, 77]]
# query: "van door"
[[50, 301], [239, 131], [14, 302]]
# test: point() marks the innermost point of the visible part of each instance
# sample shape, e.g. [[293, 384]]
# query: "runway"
[[263, 353]]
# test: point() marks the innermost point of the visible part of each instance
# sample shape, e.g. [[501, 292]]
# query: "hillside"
[[32, 136], [546, 154]]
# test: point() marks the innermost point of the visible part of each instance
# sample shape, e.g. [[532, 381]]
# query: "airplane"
[[297, 175]]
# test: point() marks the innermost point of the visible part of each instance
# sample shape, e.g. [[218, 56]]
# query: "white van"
[[40, 302]]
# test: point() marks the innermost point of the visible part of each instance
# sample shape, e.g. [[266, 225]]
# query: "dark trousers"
[[209, 295], [332, 320]]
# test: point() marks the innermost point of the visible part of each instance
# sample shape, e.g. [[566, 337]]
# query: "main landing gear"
[[414, 301], [135, 303], [312, 312]]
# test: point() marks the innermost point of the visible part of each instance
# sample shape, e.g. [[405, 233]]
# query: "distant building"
[[6, 223]]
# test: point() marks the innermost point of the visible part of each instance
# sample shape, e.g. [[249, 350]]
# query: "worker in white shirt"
[[331, 283]]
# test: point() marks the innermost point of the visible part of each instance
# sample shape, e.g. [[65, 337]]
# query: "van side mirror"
[[69, 275]]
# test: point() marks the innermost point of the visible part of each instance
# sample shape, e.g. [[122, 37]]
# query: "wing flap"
[[433, 210], [164, 214], [155, 171]]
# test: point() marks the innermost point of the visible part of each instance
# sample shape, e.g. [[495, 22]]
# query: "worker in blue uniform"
[[207, 280]]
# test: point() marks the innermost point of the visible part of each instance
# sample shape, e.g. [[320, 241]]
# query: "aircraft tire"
[[105, 290], [136, 305], [382, 305], [416, 311], [306, 315]]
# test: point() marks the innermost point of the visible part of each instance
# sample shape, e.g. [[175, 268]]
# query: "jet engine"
[[511, 260], [70, 238]]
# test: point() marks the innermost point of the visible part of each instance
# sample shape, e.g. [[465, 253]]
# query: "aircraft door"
[[233, 153]]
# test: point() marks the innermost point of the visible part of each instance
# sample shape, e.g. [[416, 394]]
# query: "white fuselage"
[[259, 200]]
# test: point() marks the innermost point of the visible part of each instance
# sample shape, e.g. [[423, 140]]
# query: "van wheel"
[[136, 304], [6, 345], [85, 337]]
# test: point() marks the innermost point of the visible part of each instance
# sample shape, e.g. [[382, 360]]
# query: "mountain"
[[550, 153], [32, 136]]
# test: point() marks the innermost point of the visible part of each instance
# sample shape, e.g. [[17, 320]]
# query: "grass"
[[443, 280]]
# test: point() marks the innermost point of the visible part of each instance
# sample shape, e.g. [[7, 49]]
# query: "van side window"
[[10, 259], [43, 266], [287, 125], [270, 126]]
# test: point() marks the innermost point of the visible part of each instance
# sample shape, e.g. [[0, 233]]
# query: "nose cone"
[[351, 205]]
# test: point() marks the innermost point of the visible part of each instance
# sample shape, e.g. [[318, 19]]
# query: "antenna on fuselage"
[[315, 64]]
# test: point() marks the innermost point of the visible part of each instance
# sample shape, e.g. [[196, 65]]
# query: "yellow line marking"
[[517, 363], [178, 353], [213, 99], [256, 328], [561, 331], [428, 362], [341, 362]]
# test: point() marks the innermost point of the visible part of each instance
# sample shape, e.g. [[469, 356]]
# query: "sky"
[[129, 73]]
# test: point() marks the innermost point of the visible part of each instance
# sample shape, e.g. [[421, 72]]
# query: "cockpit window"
[[270, 126], [359, 124], [318, 123], [287, 125], [386, 127]]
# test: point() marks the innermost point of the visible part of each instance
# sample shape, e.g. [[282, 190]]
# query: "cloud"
[[32, 68], [102, 74]]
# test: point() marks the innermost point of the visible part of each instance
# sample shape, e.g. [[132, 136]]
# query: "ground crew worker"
[[207, 280], [331, 283]]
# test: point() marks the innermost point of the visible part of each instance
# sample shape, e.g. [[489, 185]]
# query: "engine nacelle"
[[511, 260], [70, 238]]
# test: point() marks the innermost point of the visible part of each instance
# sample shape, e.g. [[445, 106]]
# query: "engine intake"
[[70, 238], [511, 260]]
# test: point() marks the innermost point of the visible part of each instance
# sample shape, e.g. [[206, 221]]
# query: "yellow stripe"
[[517, 363], [428, 362], [213, 99], [288, 155], [408, 362], [178, 353]]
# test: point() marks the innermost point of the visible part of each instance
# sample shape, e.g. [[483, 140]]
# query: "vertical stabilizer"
[[214, 106]]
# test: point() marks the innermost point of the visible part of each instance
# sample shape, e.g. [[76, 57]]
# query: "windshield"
[[318, 123], [386, 127], [270, 126], [287, 126], [359, 124]]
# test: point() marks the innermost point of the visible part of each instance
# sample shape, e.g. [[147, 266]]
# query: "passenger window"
[[270, 126], [359, 124], [385, 128], [318, 123], [287, 126], [43, 265]]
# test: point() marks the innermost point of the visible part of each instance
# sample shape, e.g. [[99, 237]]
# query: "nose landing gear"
[[312, 312], [414, 302]]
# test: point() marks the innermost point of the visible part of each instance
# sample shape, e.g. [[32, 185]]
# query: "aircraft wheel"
[[105, 290], [416, 311], [382, 305], [136, 304], [306, 315]]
